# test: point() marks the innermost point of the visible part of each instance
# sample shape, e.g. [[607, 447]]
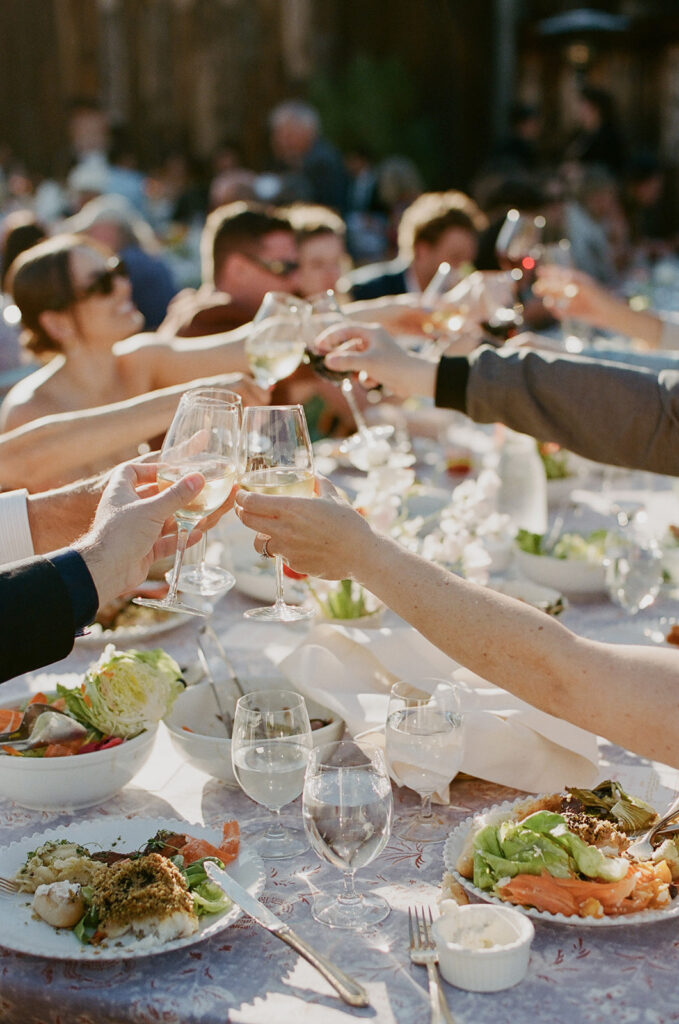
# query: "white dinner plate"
[[20, 931], [126, 635], [453, 848]]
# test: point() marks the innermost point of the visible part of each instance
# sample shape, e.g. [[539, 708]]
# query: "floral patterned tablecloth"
[[245, 975]]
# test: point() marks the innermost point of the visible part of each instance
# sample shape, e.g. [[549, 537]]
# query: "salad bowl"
[[574, 565], [80, 780]]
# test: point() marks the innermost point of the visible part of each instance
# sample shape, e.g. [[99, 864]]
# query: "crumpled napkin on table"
[[507, 741]]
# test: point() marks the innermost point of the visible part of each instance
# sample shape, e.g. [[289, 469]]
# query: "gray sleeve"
[[607, 412]]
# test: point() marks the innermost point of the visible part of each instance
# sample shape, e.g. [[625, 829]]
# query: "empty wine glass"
[[276, 458], [269, 750], [347, 809], [202, 438], [424, 741], [633, 562], [200, 577], [275, 346]]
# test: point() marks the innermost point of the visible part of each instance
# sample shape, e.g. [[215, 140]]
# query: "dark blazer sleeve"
[[37, 623]]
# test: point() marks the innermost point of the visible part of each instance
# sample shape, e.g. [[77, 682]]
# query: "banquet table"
[[244, 974]]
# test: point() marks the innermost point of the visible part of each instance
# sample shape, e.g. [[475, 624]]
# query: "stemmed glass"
[[201, 578], [203, 438], [517, 246], [424, 741], [269, 750], [275, 346], [368, 447], [347, 808], [633, 562], [276, 458]]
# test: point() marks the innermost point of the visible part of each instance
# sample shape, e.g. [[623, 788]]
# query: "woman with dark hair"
[[79, 318], [20, 230]]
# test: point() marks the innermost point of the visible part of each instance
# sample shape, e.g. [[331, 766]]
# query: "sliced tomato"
[[193, 849], [63, 749], [39, 698], [291, 574]]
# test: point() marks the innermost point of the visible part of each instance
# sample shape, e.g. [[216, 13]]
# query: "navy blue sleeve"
[[79, 584]]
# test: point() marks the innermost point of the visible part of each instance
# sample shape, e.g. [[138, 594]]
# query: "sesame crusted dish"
[[112, 888]]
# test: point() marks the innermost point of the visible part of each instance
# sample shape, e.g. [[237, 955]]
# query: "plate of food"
[[122, 622], [560, 857], [82, 898]]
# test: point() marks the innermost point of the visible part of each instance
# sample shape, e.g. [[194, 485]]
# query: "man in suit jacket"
[[45, 601], [439, 227]]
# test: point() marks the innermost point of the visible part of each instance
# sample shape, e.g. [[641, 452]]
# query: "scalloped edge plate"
[[453, 848], [129, 634], [20, 931]]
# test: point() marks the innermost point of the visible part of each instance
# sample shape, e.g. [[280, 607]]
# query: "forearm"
[[203, 357], [616, 315], [606, 412], [57, 517], [524, 651]]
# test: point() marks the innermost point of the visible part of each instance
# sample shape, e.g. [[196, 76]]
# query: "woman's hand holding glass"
[[269, 750]]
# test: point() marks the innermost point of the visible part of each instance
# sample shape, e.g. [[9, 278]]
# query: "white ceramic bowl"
[[484, 970], [196, 731], [80, 780], [567, 575]]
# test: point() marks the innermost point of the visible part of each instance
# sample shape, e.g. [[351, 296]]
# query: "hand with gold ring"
[[263, 547]]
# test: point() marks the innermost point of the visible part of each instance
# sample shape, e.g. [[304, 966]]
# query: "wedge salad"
[[121, 695]]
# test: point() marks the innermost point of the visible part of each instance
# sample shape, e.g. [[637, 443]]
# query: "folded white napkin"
[[507, 741]]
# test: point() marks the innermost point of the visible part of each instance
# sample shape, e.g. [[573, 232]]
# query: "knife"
[[349, 990]]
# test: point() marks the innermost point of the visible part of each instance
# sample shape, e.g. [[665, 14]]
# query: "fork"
[[8, 885], [642, 849], [423, 952]]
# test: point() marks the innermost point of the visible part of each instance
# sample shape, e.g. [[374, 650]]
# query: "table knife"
[[349, 990]]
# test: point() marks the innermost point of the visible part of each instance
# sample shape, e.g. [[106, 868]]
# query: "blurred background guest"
[[312, 168]]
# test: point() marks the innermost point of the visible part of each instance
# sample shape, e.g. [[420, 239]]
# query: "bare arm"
[[177, 360], [594, 685], [58, 516]]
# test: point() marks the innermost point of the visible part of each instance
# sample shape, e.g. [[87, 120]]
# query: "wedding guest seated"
[[321, 250], [247, 250], [20, 230], [437, 227], [311, 167], [77, 311], [111, 220], [44, 601], [593, 685]]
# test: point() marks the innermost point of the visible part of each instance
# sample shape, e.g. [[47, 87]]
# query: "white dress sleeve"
[[15, 533]]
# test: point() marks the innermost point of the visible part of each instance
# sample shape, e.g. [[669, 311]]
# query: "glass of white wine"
[[270, 747], [203, 438], [275, 346], [347, 809], [276, 458], [424, 741]]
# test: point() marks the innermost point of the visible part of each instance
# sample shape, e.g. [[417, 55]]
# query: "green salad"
[[579, 547]]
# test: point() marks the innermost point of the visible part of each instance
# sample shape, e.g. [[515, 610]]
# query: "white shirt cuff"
[[15, 533]]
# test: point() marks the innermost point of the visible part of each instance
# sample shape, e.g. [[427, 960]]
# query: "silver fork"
[[8, 885], [423, 951], [642, 849]]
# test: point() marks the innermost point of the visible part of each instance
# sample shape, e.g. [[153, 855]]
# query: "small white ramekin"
[[484, 970]]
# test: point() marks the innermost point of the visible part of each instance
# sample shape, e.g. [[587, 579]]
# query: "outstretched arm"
[[593, 685]]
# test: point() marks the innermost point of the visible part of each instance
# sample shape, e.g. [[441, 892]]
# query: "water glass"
[[633, 563], [269, 751], [424, 741], [347, 809]]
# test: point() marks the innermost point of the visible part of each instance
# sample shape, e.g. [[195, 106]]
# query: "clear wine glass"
[[347, 809], [269, 750], [276, 458], [275, 346], [201, 577], [368, 447], [424, 741], [517, 246], [202, 438], [633, 563]]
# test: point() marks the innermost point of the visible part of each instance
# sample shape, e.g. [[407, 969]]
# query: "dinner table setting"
[[349, 850]]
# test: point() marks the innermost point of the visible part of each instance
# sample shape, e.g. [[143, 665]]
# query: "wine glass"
[[275, 346], [203, 438], [269, 750], [276, 458], [347, 809], [424, 741], [201, 578], [368, 447], [633, 562], [517, 246]]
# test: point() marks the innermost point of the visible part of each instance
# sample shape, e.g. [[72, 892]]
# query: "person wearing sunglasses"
[[247, 250], [80, 321]]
